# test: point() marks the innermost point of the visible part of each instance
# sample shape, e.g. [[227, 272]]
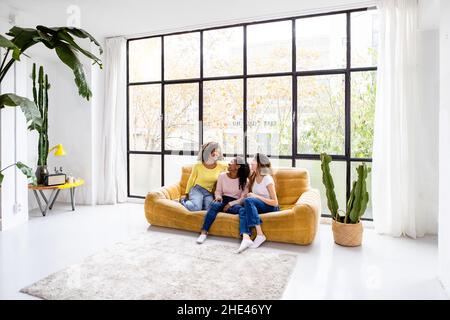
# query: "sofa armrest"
[[167, 193], [307, 210]]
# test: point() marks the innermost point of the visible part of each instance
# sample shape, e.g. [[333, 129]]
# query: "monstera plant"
[[61, 40], [347, 228]]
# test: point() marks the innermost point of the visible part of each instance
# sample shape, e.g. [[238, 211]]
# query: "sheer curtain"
[[112, 169], [397, 174]]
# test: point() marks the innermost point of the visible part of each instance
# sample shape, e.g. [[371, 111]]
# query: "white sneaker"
[[246, 243], [258, 241], [201, 238]]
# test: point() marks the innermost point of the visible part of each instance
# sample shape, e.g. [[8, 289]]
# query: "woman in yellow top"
[[203, 178]]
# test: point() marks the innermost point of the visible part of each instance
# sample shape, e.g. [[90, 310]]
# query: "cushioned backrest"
[[290, 182], [185, 173]]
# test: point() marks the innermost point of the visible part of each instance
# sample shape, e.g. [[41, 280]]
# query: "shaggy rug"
[[167, 266]]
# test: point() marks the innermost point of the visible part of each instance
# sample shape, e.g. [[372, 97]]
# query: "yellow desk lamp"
[[59, 150]]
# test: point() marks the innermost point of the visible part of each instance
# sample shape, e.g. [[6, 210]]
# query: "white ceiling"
[[105, 18]]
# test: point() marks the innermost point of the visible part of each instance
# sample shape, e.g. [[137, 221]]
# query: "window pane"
[[182, 56], [223, 52], [223, 114], [144, 117], [354, 176], [321, 42], [364, 38], [269, 115], [145, 173], [339, 173], [364, 86], [173, 165], [269, 47], [181, 124], [144, 58], [321, 113]]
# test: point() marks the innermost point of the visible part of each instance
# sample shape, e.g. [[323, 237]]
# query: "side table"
[[39, 189]]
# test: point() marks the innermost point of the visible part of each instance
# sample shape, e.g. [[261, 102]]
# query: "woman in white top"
[[262, 198]]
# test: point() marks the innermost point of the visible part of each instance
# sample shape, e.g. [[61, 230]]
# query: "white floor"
[[383, 268]]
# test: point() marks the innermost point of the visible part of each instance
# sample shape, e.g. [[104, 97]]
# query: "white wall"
[[13, 148], [70, 123], [444, 147]]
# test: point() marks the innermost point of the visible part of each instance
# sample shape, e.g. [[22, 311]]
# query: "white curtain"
[[397, 176], [112, 170]]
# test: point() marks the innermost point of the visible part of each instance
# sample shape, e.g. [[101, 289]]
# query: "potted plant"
[[40, 97], [347, 228], [62, 41]]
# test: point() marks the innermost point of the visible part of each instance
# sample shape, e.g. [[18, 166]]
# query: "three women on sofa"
[[236, 192]]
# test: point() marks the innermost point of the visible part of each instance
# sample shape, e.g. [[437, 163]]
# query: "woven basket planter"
[[347, 234]]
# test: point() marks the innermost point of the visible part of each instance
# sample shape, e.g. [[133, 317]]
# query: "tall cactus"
[[361, 197], [40, 96], [358, 199], [327, 180]]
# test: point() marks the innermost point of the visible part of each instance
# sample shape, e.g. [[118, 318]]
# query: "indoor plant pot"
[[41, 172], [347, 234]]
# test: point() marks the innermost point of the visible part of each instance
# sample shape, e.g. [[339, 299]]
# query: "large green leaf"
[[27, 171], [24, 38], [68, 38], [66, 48], [80, 33], [28, 107], [67, 56], [5, 43]]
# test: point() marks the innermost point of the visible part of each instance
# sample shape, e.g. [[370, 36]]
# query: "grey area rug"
[[156, 265]]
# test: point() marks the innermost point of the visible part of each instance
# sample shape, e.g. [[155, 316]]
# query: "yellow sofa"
[[297, 221]]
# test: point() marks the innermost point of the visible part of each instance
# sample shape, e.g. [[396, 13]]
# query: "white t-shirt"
[[261, 188]]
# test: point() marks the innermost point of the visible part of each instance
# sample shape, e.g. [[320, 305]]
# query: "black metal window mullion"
[[294, 95], [200, 97], [347, 109], [162, 116], [128, 119], [244, 84]]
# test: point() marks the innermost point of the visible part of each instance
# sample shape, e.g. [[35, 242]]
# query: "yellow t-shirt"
[[205, 177]]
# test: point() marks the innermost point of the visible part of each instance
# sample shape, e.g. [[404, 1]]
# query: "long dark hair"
[[263, 167], [243, 172]]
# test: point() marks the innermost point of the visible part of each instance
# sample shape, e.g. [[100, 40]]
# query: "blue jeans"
[[252, 208], [217, 207], [199, 199]]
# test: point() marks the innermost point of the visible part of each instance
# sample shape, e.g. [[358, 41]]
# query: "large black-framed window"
[[290, 88]]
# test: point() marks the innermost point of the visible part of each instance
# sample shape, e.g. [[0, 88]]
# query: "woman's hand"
[[251, 195], [227, 206], [218, 199]]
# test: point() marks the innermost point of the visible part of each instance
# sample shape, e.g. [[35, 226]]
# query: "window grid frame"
[[347, 72]]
